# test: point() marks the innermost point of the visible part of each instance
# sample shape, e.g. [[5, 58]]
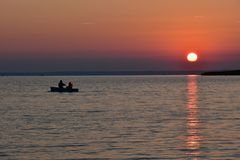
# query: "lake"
[[120, 117]]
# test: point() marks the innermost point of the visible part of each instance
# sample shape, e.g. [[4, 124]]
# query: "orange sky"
[[157, 29]]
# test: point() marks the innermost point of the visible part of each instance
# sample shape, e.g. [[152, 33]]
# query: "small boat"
[[56, 89]]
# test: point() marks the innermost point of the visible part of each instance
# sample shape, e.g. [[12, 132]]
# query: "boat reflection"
[[193, 138]]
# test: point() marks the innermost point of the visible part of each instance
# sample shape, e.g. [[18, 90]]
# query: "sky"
[[118, 35]]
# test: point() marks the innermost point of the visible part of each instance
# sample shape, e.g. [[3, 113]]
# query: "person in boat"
[[70, 85], [61, 84]]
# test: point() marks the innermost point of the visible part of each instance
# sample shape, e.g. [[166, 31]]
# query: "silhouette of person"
[[61, 84], [70, 85]]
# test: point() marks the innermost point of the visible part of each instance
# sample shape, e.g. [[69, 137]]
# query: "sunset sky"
[[110, 35]]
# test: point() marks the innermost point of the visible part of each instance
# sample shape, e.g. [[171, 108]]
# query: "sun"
[[192, 57]]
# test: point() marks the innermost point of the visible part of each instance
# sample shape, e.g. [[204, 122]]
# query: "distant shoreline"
[[222, 73], [102, 73], [124, 73]]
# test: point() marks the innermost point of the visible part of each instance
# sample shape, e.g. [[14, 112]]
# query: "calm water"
[[138, 117]]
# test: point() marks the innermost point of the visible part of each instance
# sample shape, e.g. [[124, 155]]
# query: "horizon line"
[[102, 73]]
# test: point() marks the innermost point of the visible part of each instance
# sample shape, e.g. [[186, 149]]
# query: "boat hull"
[[56, 89]]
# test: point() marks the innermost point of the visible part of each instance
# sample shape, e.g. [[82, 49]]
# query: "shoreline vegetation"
[[124, 73]]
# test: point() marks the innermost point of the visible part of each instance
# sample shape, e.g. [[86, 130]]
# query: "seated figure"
[[70, 85], [61, 84]]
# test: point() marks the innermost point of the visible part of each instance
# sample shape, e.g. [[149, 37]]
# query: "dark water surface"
[[121, 117]]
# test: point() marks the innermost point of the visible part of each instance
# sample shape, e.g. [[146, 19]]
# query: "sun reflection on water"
[[193, 138]]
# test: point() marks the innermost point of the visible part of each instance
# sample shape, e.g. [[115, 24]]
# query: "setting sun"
[[192, 57]]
